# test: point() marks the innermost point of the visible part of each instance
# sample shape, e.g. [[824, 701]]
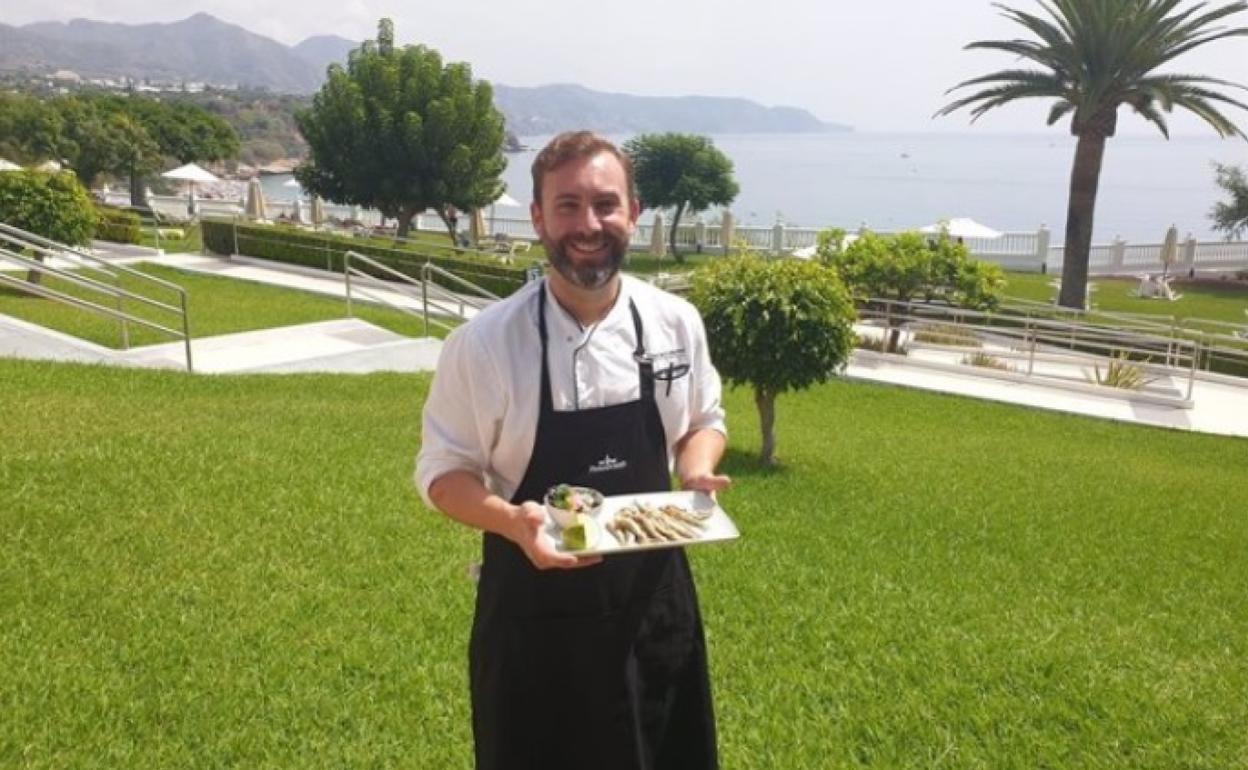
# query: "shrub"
[[879, 345], [325, 251], [777, 325], [947, 334], [1121, 372], [55, 206], [910, 266], [118, 225], [980, 358]]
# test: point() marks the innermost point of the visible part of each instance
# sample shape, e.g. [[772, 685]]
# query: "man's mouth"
[[588, 248]]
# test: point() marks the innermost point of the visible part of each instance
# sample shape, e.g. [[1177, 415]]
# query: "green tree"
[[398, 131], [911, 266], [1231, 217], [777, 325], [1092, 57], [681, 170], [181, 131], [55, 206], [31, 130], [96, 141]]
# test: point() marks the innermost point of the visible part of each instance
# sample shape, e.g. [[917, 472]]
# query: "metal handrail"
[[425, 283], [27, 240], [1035, 335], [105, 264]]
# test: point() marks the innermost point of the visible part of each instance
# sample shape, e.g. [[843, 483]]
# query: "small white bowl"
[[564, 517]]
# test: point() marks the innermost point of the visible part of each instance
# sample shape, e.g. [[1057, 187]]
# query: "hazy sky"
[[875, 64]]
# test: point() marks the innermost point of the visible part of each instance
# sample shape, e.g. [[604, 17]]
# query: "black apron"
[[599, 667]]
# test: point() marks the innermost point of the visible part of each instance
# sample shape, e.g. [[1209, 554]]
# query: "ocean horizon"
[[892, 181]]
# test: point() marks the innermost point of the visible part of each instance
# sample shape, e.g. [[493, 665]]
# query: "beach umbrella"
[[658, 246], [255, 201], [1169, 250], [962, 227], [6, 165], [318, 211], [505, 201], [190, 173]]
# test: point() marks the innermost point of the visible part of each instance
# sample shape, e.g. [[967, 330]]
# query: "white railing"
[[1032, 251]]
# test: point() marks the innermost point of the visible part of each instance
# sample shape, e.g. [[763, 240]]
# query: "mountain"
[[323, 50], [554, 108], [199, 48], [205, 49]]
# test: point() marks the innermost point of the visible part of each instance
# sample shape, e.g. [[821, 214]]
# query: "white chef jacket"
[[482, 410]]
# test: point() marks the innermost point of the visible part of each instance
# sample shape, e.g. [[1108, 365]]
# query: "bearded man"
[[592, 378]]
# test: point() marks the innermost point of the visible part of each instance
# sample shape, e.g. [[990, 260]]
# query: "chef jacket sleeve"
[[462, 412]]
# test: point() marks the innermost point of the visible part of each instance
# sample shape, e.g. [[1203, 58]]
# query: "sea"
[[894, 181]]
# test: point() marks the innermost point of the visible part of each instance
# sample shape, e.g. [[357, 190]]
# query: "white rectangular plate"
[[719, 527]]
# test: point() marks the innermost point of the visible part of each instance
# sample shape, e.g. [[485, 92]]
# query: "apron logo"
[[608, 463]]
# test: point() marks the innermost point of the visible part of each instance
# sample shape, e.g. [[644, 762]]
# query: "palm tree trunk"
[[1085, 175], [676, 224], [765, 400]]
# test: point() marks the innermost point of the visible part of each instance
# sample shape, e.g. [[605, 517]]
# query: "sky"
[[878, 65]]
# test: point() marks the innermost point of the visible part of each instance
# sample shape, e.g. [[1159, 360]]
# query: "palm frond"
[[1058, 111], [991, 98], [1201, 107], [1147, 109], [1031, 77]]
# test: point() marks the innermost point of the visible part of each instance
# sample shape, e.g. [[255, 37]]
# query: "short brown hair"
[[575, 145]]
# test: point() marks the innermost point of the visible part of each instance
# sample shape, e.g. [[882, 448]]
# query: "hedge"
[[117, 225], [325, 251]]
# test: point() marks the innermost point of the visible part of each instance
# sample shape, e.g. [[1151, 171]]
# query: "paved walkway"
[[350, 345]]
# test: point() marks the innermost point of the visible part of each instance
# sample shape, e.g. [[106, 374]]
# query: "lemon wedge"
[[582, 534]]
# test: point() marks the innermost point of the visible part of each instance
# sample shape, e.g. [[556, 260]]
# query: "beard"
[[593, 275]]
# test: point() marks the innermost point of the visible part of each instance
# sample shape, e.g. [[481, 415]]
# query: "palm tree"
[[1093, 56]]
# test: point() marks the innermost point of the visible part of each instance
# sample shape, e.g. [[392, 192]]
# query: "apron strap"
[[645, 367]]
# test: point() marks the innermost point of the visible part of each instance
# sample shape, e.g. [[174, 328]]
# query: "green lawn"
[[217, 306], [235, 572], [1214, 302]]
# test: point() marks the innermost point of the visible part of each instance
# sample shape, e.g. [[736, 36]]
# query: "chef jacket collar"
[[567, 323]]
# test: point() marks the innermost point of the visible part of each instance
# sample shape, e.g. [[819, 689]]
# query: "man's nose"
[[588, 220]]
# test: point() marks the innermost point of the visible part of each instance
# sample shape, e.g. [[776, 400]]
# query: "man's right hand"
[[528, 531]]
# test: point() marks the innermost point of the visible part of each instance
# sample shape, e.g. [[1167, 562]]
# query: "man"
[[591, 378]]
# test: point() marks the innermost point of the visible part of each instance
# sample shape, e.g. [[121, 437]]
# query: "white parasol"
[[190, 173], [318, 211], [505, 201], [961, 227]]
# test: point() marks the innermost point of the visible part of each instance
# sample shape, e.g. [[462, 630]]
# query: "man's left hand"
[[709, 483]]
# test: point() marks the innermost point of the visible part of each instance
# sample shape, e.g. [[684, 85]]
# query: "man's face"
[[585, 219]]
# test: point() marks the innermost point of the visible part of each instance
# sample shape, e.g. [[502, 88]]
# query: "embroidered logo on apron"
[[608, 463]]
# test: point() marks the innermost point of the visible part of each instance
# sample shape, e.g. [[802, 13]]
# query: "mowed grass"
[[236, 572], [1215, 301], [215, 305]]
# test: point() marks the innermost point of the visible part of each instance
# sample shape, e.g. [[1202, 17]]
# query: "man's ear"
[[535, 214]]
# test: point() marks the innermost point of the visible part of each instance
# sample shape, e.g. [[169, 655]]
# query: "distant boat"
[[905, 155]]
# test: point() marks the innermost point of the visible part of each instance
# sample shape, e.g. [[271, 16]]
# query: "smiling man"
[[592, 378]]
